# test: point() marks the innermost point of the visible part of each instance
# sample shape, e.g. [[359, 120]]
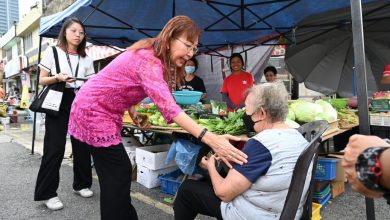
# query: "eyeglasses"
[[190, 48]]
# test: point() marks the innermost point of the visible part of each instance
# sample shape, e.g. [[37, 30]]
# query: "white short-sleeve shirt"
[[85, 65]]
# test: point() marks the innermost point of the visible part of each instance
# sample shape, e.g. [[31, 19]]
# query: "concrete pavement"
[[18, 170]]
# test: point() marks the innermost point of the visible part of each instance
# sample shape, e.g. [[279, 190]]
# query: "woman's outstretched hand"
[[225, 150]]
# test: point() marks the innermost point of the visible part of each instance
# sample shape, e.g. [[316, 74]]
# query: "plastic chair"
[[312, 132]]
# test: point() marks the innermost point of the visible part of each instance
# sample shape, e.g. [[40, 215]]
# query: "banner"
[[24, 100]]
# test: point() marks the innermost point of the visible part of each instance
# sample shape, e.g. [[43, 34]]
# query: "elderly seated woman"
[[257, 189]]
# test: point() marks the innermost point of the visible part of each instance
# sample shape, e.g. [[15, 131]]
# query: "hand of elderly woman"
[[356, 145], [225, 151], [208, 162]]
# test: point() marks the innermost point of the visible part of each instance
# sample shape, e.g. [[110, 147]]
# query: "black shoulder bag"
[[49, 99]]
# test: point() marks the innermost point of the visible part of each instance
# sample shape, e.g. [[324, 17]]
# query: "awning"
[[120, 23], [100, 52]]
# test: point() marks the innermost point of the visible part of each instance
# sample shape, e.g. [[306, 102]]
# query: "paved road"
[[18, 170]]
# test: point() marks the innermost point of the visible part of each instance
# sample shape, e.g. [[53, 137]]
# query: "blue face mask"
[[189, 69]]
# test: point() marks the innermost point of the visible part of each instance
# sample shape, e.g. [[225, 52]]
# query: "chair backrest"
[[312, 132]]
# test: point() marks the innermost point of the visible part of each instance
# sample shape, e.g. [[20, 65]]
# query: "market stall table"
[[327, 136], [131, 130]]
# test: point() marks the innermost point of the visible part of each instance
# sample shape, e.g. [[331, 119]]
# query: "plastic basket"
[[324, 200], [326, 169], [169, 183], [322, 194], [380, 120], [316, 211], [380, 104], [339, 103], [187, 97]]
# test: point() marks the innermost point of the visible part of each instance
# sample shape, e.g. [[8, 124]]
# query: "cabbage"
[[329, 113], [291, 115], [291, 123], [306, 111]]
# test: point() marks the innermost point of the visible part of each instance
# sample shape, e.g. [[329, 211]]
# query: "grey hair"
[[273, 97]]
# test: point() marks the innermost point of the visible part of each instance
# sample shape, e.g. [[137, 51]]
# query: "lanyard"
[[70, 65]]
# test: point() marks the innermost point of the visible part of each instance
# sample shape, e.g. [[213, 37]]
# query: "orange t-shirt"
[[235, 86]]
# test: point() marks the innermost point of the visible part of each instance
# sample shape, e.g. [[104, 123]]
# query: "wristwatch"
[[369, 169]]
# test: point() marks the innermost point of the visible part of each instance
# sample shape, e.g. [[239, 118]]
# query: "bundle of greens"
[[347, 118], [232, 124], [158, 120], [194, 109]]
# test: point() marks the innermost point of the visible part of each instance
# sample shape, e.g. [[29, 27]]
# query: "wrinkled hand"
[[208, 163], [356, 145], [205, 162], [227, 152]]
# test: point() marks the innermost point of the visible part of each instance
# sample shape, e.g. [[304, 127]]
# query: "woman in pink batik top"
[[143, 70]]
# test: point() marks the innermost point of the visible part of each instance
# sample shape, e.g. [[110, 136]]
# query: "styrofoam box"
[[130, 142], [153, 157], [149, 178]]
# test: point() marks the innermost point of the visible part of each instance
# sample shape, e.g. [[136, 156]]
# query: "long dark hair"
[[63, 43]]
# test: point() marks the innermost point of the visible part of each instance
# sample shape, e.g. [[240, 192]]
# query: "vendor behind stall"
[[192, 82], [270, 73], [235, 85]]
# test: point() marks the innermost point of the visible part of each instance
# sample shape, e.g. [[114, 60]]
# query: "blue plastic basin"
[[187, 97]]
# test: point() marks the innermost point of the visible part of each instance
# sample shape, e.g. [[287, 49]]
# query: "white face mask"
[[189, 69]]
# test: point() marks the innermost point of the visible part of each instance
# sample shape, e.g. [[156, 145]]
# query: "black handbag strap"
[[56, 59], [57, 68]]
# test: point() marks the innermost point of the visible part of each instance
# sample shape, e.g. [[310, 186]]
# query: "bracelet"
[[202, 134]]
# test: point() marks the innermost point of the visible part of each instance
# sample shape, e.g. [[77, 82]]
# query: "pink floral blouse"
[[97, 110]]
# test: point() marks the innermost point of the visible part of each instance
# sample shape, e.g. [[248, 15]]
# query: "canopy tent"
[[245, 22], [100, 52]]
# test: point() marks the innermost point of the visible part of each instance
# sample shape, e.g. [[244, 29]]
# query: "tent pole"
[[360, 64], [93, 11], [36, 95], [173, 8]]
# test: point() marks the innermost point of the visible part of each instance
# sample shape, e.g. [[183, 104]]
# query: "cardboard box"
[[153, 157], [149, 178], [337, 188], [340, 173]]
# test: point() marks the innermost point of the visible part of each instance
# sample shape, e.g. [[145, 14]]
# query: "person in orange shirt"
[[234, 86]]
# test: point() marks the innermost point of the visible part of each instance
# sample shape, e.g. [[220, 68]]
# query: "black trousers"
[[54, 143], [113, 168], [196, 197]]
